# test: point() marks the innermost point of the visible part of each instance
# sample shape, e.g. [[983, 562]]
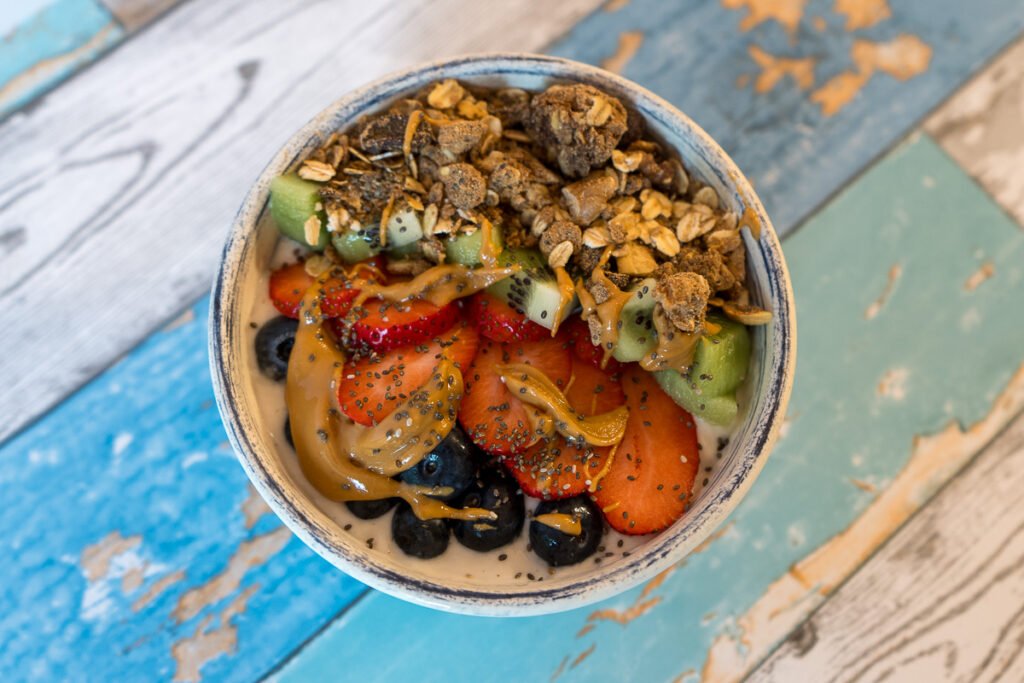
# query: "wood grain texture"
[[849, 469], [114, 207], [982, 127], [942, 601], [134, 14]]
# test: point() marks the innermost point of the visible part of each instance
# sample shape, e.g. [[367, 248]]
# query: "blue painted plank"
[[136, 467], [879, 364], [49, 46], [698, 56]]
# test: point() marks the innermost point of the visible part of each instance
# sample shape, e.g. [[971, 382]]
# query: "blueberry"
[[370, 509], [274, 344], [560, 549], [423, 538], [452, 464], [494, 490]]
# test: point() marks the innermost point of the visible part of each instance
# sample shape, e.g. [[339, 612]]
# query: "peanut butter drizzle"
[[608, 313], [750, 220], [489, 251], [317, 427], [748, 315], [675, 348], [532, 386], [560, 521], [439, 285], [566, 292]]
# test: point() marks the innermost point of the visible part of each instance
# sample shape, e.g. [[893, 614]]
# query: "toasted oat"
[[654, 204], [559, 256], [316, 265], [311, 230], [429, 220], [318, 171], [634, 259], [446, 94], [597, 236], [724, 241], [664, 240], [697, 221], [706, 196], [626, 162]]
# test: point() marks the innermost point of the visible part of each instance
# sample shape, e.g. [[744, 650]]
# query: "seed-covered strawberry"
[[498, 321], [384, 325]]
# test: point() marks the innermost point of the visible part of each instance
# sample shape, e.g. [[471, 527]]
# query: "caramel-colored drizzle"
[[489, 251], [439, 285], [560, 521], [750, 220], [317, 428], [532, 386], [566, 295], [675, 348], [608, 312]]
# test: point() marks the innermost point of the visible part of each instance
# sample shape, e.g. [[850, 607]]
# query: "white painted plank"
[[942, 601], [116, 190], [982, 127]]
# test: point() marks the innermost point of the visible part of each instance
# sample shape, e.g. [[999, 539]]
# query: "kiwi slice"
[[637, 336], [292, 201], [356, 245], [404, 227], [533, 291], [465, 249]]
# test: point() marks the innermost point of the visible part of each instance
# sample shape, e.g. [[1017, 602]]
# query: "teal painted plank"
[[869, 379], [698, 56], [49, 46], [135, 468]]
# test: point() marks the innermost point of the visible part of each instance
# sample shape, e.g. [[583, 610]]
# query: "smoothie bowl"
[[502, 335]]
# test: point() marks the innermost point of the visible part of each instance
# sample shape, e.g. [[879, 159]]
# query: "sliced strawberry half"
[[491, 415], [289, 284], [498, 321], [555, 467], [578, 332], [652, 473], [372, 386], [384, 325]]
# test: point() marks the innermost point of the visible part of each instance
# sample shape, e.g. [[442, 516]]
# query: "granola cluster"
[[568, 171]]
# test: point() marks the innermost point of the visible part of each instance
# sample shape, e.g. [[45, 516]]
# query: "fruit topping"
[[567, 531], [371, 509], [422, 538], [384, 325], [294, 208], [274, 343], [288, 285], [498, 321], [534, 290], [584, 349], [493, 490], [651, 476], [495, 419], [451, 465], [372, 386]]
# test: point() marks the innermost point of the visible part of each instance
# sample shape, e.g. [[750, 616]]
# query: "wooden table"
[[885, 537]]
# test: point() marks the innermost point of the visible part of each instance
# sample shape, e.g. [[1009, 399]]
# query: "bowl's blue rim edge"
[[675, 544]]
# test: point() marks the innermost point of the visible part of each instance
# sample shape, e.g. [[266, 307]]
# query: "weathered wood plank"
[[982, 127], [134, 14], [875, 372], [801, 93], [113, 209], [45, 42], [940, 602]]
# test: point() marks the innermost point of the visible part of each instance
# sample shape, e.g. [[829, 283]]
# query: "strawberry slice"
[[289, 283], [498, 321], [653, 470], [492, 416], [578, 332], [372, 386], [557, 468], [385, 325]]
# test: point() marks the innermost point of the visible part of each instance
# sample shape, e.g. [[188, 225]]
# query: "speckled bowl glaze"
[[245, 257]]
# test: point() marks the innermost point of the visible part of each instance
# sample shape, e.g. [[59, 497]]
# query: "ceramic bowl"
[[270, 465]]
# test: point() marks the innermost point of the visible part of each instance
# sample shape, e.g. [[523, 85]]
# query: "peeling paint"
[[249, 554], [774, 69], [894, 384], [96, 558], [629, 43], [560, 669], [582, 656], [865, 486], [615, 5], [254, 507], [790, 598], [786, 12], [895, 272], [158, 587], [987, 270], [190, 654], [862, 13], [902, 58]]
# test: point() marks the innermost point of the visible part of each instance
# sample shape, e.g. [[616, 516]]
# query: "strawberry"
[[498, 321], [556, 468], [578, 332], [385, 325], [289, 284], [653, 470], [492, 416], [371, 386]]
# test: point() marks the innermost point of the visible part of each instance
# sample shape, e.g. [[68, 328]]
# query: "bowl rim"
[[669, 546]]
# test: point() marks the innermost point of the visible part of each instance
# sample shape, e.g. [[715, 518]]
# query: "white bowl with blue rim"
[[461, 580]]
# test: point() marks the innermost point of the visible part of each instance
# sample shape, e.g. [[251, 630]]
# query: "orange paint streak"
[[583, 655], [987, 270], [786, 12], [774, 69], [629, 43], [862, 13]]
